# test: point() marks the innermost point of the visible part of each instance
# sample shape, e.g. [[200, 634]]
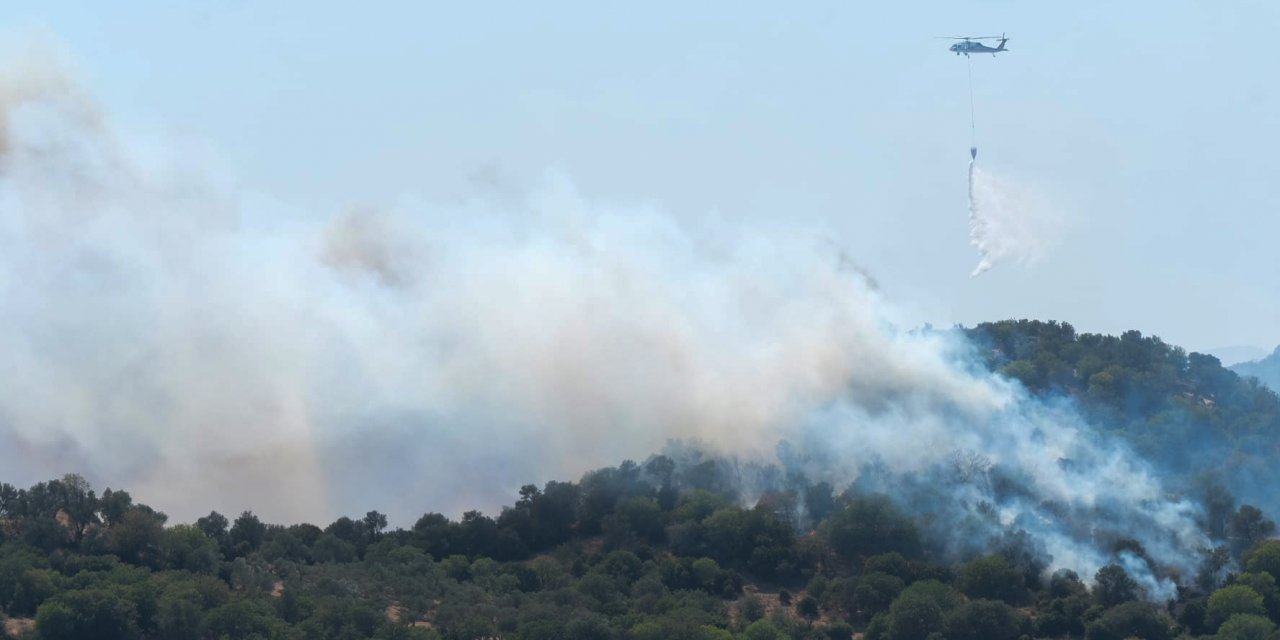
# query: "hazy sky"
[[1150, 130]]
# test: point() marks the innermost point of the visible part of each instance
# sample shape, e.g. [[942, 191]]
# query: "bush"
[[1232, 600], [993, 578], [985, 620], [1131, 619], [1244, 626]]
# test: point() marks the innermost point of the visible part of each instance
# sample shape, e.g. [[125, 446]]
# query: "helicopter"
[[969, 44]]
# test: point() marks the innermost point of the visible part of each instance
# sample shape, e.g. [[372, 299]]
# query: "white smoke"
[[160, 338], [1007, 220]]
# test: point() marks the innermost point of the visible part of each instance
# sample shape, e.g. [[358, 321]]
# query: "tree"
[[247, 534], [1248, 527], [1266, 587], [1244, 626], [1266, 558], [241, 618], [214, 527], [100, 613], [918, 611], [56, 621], [984, 620], [136, 537], [1064, 616], [187, 548], [113, 505], [1219, 506], [819, 501], [588, 627], [1231, 600], [350, 531], [807, 607], [874, 592], [991, 577], [762, 630], [912, 618], [178, 617], [1112, 586], [78, 504], [643, 517], [1130, 620], [752, 608], [331, 548], [374, 523], [871, 525]]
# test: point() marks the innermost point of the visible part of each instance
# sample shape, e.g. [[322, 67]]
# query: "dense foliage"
[[628, 552], [668, 549], [1181, 409]]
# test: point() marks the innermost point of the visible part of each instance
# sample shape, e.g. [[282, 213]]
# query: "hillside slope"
[[1267, 370], [1184, 411]]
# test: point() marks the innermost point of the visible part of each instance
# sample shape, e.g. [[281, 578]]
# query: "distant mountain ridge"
[[1231, 356], [1267, 370]]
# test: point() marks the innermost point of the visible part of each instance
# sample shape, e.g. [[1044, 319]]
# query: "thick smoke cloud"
[[160, 336]]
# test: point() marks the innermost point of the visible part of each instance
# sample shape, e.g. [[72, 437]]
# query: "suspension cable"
[[973, 127]]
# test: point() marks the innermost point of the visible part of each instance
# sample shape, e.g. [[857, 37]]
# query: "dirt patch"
[[14, 627], [394, 612], [277, 589]]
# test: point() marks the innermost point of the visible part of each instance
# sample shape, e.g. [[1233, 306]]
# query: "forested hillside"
[[687, 545], [1184, 410]]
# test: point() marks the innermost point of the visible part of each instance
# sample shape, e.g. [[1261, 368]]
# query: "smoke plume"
[[162, 337]]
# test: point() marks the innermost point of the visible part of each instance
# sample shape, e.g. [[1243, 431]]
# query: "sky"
[[1146, 130]]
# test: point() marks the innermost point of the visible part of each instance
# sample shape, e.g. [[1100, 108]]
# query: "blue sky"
[[1150, 127]]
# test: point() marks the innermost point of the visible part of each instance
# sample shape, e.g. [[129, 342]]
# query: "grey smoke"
[[162, 338]]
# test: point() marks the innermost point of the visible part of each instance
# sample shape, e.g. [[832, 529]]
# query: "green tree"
[[984, 620], [215, 527], [179, 616], [113, 505], [187, 548], [105, 613], [1266, 587], [1064, 616], [874, 592], [1233, 599], [1247, 528], [1244, 626], [871, 525], [1130, 620], [56, 621], [331, 548], [247, 534], [991, 577], [374, 524], [1112, 586], [914, 618], [1265, 557], [762, 630], [137, 536], [918, 611], [241, 618], [807, 608]]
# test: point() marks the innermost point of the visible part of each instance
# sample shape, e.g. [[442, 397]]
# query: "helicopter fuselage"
[[967, 47]]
